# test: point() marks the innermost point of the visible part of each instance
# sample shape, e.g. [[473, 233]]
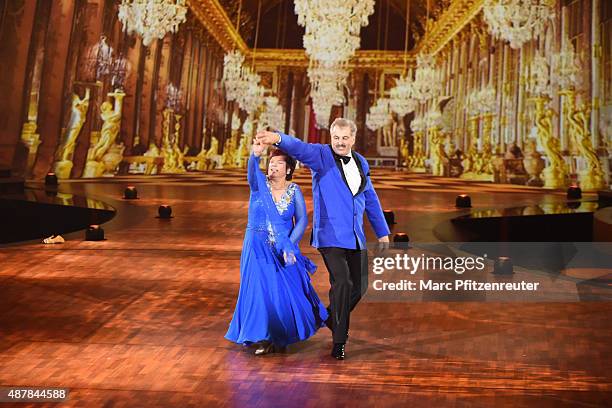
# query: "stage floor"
[[138, 320]]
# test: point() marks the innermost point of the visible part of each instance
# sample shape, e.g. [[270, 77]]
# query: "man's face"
[[341, 140]]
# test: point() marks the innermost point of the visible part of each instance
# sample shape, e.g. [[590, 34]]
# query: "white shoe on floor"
[[54, 239]]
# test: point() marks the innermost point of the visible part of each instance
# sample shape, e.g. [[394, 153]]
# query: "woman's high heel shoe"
[[265, 348]]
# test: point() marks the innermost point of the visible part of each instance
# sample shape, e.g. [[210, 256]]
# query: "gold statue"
[[228, 157], [153, 151], [403, 153], [108, 134], [556, 174], [242, 152], [417, 164], [469, 163], [63, 156], [212, 159], [31, 140], [592, 178], [436, 151]]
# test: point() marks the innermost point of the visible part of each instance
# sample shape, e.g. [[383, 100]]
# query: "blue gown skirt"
[[276, 302]]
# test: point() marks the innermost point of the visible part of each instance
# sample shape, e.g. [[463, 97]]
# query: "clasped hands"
[[262, 140]]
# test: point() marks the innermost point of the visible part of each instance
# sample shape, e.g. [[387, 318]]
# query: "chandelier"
[[272, 115], [174, 98], [427, 83], [332, 27], [418, 124], [401, 96], [538, 81], [232, 74], [482, 100], [326, 90], [566, 66], [380, 114], [433, 119], [152, 19], [517, 21], [252, 95]]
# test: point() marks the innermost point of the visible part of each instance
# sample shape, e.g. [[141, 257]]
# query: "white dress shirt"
[[351, 172]]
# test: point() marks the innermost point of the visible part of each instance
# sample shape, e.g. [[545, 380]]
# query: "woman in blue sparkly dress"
[[277, 304]]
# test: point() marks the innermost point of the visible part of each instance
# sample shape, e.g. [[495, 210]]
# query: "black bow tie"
[[345, 159]]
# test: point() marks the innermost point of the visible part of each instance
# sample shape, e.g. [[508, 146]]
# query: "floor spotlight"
[[130, 193], [164, 211], [463, 201], [401, 240], [574, 192], [503, 266], [94, 233], [389, 217], [51, 179]]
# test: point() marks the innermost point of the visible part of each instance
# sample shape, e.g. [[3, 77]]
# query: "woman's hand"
[[289, 257], [258, 148]]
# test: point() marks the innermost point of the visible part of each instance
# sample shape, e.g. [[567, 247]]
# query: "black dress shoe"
[[338, 351]]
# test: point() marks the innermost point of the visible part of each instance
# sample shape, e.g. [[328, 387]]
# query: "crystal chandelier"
[[426, 83], [380, 114], [566, 66], [517, 21], [174, 98], [418, 124], [252, 96], [484, 99], [401, 96], [538, 81], [433, 119], [100, 59], [152, 19], [232, 74], [326, 90], [332, 27], [272, 114]]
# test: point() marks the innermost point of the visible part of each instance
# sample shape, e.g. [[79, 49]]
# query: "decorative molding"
[[214, 18], [453, 20], [362, 58]]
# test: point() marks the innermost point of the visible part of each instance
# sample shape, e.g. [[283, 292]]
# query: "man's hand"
[[258, 148], [267, 138], [383, 243]]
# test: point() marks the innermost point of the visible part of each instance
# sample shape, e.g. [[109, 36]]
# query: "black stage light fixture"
[[94, 233], [574, 192], [401, 240], [389, 217], [130, 193], [463, 201], [51, 179], [164, 211], [503, 266]]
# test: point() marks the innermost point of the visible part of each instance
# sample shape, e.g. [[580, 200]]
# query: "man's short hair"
[[343, 123]]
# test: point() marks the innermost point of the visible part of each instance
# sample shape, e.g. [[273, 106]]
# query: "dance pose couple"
[[277, 304]]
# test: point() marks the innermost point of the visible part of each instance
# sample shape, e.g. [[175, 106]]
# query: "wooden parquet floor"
[[138, 320]]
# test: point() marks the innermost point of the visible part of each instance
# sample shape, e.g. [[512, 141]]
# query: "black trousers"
[[348, 276]]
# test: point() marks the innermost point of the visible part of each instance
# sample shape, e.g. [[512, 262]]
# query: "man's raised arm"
[[308, 153]]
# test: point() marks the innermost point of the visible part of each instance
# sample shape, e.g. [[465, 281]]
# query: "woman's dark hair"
[[290, 161]]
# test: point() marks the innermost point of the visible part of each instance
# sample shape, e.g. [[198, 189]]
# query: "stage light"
[[94, 233], [503, 266], [401, 240], [130, 193], [51, 179], [164, 211], [463, 201], [574, 192], [389, 217]]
